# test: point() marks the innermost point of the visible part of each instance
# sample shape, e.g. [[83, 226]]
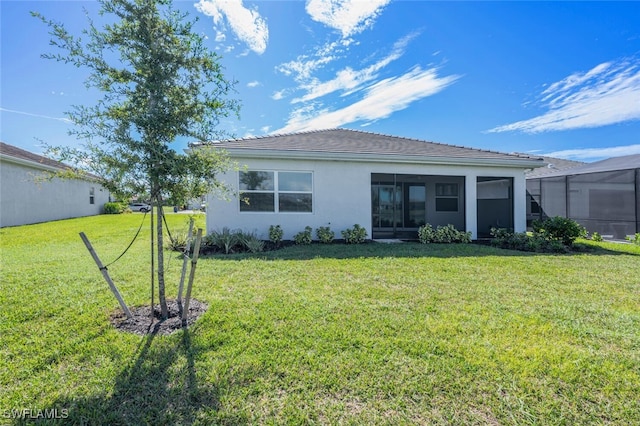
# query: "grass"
[[374, 333]]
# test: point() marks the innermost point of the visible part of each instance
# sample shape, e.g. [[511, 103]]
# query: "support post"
[[185, 260], [106, 276], [192, 273]]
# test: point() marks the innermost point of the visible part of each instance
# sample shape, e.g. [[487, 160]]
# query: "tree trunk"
[[164, 312]]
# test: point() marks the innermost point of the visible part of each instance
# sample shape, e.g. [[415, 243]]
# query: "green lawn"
[[377, 333]]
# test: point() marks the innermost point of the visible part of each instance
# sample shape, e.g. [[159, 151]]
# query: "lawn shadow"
[[158, 387], [372, 249]]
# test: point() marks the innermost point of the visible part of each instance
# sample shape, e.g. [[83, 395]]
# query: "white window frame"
[[276, 191]]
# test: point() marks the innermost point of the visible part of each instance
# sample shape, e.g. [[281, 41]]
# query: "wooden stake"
[[106, 276], [192, 273], [185, 260], [153, 271]]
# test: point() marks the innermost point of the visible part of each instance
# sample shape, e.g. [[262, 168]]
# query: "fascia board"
[[378, 158], [29, 163], [42, 167]]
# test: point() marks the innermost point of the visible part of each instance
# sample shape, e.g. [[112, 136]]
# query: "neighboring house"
[[603, 196], [553, 165], [25, 197], [389, 185]]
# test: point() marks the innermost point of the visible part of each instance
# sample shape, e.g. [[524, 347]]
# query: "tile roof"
[[358, 142], [554, 165], [15, 152], [626, 162]]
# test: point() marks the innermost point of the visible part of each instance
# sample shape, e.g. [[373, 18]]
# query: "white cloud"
[[596, 153], [253, 83], [278, 95], [302, 68], [48, 117], [381, 100], [246, 23], [347, 16], [348, 79], [607, 94]]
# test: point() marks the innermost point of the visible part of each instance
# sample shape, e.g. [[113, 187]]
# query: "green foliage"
[[355, 235], [163, 85], [178, 241], [160, 84], [275, 234], [225, 240], [442, 234], [522, 241], [325, 234], [426, 234], [559, 228], [635, 239], [303, 237], [251, 242], [596, 237], [114, 208]]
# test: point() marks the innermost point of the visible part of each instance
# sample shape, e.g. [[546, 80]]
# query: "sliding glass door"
[[387, 206], [400, 204]]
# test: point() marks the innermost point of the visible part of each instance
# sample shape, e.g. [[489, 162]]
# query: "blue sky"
[[552, 78]]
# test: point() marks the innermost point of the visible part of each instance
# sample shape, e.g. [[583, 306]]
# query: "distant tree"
[[160, 83]]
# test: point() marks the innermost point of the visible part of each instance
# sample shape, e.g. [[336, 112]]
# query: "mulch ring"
[[143, 323]]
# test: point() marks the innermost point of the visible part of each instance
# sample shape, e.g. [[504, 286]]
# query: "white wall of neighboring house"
[[342, 194], [24, 200]]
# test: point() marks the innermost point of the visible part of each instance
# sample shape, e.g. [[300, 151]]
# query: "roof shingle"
[[15, 152], [359, 142]]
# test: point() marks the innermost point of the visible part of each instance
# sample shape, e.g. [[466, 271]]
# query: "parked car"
[[140, 207]]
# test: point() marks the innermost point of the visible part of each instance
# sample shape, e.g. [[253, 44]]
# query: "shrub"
[[303, 237], [226, 240], [635, 239], [426, 234], [355, 235], [113, 208], [522, 241], [596, 237], [442, 234], [560, 229], [251, 242], [325, 234], [275, 234], [178, 242]]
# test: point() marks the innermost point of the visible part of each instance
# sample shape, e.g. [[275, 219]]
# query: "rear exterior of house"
[[389, 185], [26, 198]]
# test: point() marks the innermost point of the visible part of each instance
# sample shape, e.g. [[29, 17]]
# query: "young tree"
[[159, 83]]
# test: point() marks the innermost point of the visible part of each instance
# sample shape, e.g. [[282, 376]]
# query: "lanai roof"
[[626, 162], [357, 143]]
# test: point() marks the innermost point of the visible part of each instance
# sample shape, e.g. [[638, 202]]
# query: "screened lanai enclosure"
[[604, 196], [401, 203]]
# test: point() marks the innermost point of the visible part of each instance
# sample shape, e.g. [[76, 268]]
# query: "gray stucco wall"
[[24, 201]]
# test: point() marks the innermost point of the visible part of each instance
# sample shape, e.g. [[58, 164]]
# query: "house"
[[603, 196], [27, 198], [387, 184]]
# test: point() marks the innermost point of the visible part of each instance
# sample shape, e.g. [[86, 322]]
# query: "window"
[[284, 192], [257, 191], [446, 197], [92, 195]]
